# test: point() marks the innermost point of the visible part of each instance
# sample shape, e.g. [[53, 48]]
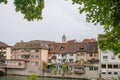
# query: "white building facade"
[[109, 65], [65, 57]]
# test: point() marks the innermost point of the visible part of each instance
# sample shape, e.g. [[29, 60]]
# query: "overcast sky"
[[59, 17]]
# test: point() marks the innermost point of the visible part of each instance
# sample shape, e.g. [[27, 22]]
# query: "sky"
[[59, 17]]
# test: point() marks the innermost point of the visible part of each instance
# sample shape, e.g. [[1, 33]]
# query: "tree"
[[107, 14], [53, 68], [32, 9], [64, 69], [32, 77], [44, 66], [103, 12]]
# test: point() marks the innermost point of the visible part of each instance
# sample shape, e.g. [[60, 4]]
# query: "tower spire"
[[63, 39]]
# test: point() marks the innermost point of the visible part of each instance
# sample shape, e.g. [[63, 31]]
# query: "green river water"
[[14, 77]]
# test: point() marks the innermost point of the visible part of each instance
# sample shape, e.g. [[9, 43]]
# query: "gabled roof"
[[2, 44], [29, 45], [60, 47], [81, 46], [71, 46], [92, 47]]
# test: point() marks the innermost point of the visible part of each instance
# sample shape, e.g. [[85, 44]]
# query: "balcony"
[[18, 64], [79, 69], [25, 57]]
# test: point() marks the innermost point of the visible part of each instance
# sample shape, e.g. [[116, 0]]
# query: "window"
[[115, 66], [32, 63], [51, 49], [105, 57], [81, 54], [70, 60], [109, 72], [103, 73], [115, 73], [109, 66], [37, 56], [37, 50], [81, 49], [103, 65], [91, 54], [32, 56], [95, 68], [91, 68], [25, 56], [63, 60], [62, 48], [63, 55], [113, 57], [59, 60], [71, 54], [37, 63], [19, 64]]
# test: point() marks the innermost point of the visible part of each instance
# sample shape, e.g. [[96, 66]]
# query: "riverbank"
[[50, 77], [20, 77]]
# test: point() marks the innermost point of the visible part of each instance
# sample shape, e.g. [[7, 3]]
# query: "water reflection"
[[14, 77]]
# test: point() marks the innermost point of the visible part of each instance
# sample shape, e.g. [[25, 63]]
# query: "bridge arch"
[[2, 71]]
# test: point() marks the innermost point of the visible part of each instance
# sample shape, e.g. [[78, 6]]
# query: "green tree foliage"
[[31, 9], [32, 77], [53, 68], [44, 66], [64, 69], [107, 14], [116, 78], [3, 1]]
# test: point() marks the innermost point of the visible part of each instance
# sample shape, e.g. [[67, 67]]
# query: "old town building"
[[5, 51], [109, 65], [27, 58], [81, 58]]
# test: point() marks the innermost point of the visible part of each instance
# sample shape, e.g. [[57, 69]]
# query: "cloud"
[[59, 17]]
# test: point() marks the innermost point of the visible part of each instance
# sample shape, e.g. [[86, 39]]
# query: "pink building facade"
[[27, 58]]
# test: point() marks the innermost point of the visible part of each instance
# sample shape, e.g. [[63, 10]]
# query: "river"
[[14, 77]]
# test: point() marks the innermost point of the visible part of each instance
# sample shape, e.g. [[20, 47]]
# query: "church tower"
[[63, 39]]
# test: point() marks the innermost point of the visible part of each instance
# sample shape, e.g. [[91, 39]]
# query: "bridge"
[[2, 69]]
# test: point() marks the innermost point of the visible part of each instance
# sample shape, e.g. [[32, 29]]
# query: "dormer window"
[[37, 50], [81, 48], [50, 49], [113, 57], [62, 48]]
